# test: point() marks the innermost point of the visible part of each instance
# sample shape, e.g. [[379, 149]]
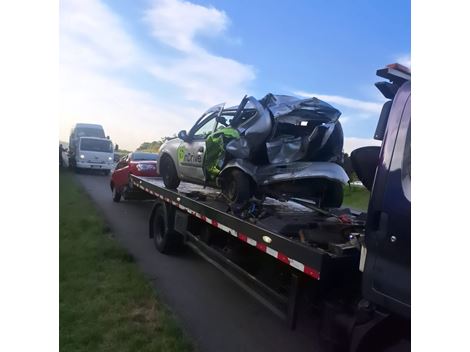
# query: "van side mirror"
[[183, 135]]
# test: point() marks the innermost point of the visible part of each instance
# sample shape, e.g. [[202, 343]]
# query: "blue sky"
[[146, 69]]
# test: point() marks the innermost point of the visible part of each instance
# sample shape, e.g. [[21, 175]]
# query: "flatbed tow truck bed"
[[281, 232]]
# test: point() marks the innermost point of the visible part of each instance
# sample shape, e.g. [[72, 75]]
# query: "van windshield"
[[89, 132], [96, 145]]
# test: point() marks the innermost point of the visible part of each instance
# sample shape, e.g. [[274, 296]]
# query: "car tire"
[[168, 173], [107, 172], [116, 195], [165, 238], [237, 187]]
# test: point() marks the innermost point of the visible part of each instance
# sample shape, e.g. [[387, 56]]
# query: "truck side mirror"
[[183, 135], [383, 119], [365, 161]]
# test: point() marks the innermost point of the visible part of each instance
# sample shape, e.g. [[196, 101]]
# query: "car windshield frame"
[[206, 117]]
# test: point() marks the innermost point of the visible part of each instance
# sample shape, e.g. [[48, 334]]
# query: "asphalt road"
[[215, 313]]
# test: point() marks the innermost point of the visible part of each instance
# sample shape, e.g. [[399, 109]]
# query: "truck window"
[[96, 145]]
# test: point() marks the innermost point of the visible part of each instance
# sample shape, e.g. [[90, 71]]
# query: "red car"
[[137, 163]]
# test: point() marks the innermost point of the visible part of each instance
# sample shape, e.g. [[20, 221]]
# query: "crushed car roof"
[[284, 104]]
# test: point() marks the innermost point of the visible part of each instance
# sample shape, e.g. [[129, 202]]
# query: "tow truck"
[[354, 266]]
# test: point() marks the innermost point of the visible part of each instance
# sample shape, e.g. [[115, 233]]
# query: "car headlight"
[[110, 158], [145, 167], [82, 156]]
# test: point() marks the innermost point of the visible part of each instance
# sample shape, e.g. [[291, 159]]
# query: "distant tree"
[[152, 147]]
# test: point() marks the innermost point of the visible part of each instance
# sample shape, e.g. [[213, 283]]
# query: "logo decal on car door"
[[187, 158], [181, 151]]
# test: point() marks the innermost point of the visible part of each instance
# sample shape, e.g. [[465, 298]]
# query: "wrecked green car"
[[279, 146]]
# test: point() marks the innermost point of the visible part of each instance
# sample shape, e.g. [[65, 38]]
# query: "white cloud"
[[98, 56], [177, 23], [404, 60], [202, 76], [351, 143], [128, 115], [366, 107], [345, 119], [92, 36], [94, 52], [206, 78]]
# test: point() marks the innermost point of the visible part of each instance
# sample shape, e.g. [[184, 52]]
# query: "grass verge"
[[356, 197], [106, 304]]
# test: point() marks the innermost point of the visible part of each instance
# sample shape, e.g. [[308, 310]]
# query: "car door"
[[191, 151], [121, 173]]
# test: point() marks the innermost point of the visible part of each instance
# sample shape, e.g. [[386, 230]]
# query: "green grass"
[[106, 304], [356, 198]]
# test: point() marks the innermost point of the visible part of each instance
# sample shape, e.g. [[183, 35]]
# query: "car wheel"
[[116, 195], [168, 173], [237, 187]]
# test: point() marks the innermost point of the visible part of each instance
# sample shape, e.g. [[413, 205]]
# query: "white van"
[[95, 153], [82, 130]]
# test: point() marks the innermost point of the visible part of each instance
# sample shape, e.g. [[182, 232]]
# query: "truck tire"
[[116, 195], [165, 238], [236, 187], [168, 173]]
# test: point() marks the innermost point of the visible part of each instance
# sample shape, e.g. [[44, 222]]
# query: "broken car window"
[[206, 127]]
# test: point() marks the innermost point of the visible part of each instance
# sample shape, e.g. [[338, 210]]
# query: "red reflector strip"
[[261, 246], [312, 272], [243, 237], [283, 258]]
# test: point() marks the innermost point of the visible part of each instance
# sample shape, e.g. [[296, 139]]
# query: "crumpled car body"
[[289, 147]]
